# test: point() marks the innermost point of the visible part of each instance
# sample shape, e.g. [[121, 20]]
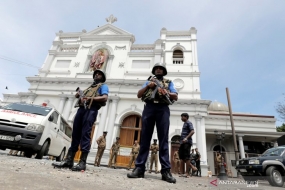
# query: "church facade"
[[127, 66]]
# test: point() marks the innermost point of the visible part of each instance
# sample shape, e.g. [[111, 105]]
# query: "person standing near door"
[[101, 141], [186, 142], [157, 93], [90, 101], [134, 154], [176, 161], [197, 159], [154, 158], [114, 153], [218, 162], [192, 161]]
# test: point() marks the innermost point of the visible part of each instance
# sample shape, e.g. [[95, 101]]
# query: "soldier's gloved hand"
[[151, 85]]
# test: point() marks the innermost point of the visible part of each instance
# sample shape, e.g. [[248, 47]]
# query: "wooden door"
[[129, 132], [174, 147]]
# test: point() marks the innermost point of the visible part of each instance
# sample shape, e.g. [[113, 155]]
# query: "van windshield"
[[28, 108]]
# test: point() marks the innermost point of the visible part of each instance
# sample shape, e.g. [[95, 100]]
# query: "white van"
[[34, 129]]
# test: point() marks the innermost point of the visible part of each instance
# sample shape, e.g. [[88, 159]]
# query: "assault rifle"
[[158, 85], [81, 95]]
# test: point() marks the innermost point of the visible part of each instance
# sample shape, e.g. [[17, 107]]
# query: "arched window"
[[178, 57]]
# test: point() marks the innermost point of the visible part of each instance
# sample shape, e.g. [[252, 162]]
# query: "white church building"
[[127, 66]]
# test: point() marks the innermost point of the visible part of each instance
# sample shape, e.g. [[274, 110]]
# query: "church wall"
[[241, 123]]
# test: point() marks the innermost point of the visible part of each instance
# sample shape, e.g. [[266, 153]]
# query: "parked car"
[[269, 166], [34, 129]]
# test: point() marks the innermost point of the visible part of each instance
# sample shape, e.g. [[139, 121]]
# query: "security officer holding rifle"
[[90, 101], [157, 93]]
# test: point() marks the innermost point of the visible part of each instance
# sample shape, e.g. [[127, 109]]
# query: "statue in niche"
[[99, 60]]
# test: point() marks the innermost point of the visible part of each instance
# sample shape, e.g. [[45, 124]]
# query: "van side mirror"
[[50, 118]]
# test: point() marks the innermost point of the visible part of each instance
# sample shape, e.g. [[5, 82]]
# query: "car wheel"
[[61, 156], [274, 176], [43, 151]]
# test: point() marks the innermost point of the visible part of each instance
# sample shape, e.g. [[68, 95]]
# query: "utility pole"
[[232, 125]]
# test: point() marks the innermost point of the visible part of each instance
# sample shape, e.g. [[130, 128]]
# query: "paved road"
[[32, 174]]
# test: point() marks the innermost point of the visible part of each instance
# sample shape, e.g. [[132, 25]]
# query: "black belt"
[[94, 105]]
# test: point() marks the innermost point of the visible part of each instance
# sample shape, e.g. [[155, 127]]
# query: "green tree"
[[281, 128]]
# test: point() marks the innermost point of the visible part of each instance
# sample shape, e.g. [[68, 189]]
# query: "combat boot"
[[136, 173], [166, 176], [82, 162], [67, 162]]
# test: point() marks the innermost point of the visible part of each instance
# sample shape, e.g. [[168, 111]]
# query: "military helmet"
[[159, 65], [102, 72]]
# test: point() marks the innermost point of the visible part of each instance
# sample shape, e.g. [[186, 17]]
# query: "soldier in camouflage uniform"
[[176, 161], [101, 141], [154, 158], [114, 153], [134, 154]]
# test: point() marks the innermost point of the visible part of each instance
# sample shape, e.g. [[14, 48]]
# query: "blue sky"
[[241, 44]]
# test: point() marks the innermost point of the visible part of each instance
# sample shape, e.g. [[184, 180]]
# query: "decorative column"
[[201, 138], [199, 134], [111, 122], [157, 51], [68, 106], [193, 32], [201, 143], [61, 103], [102, 122], [241, 147], [110, 61]]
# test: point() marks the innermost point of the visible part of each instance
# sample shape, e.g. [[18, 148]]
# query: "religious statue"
[[99, 60]]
